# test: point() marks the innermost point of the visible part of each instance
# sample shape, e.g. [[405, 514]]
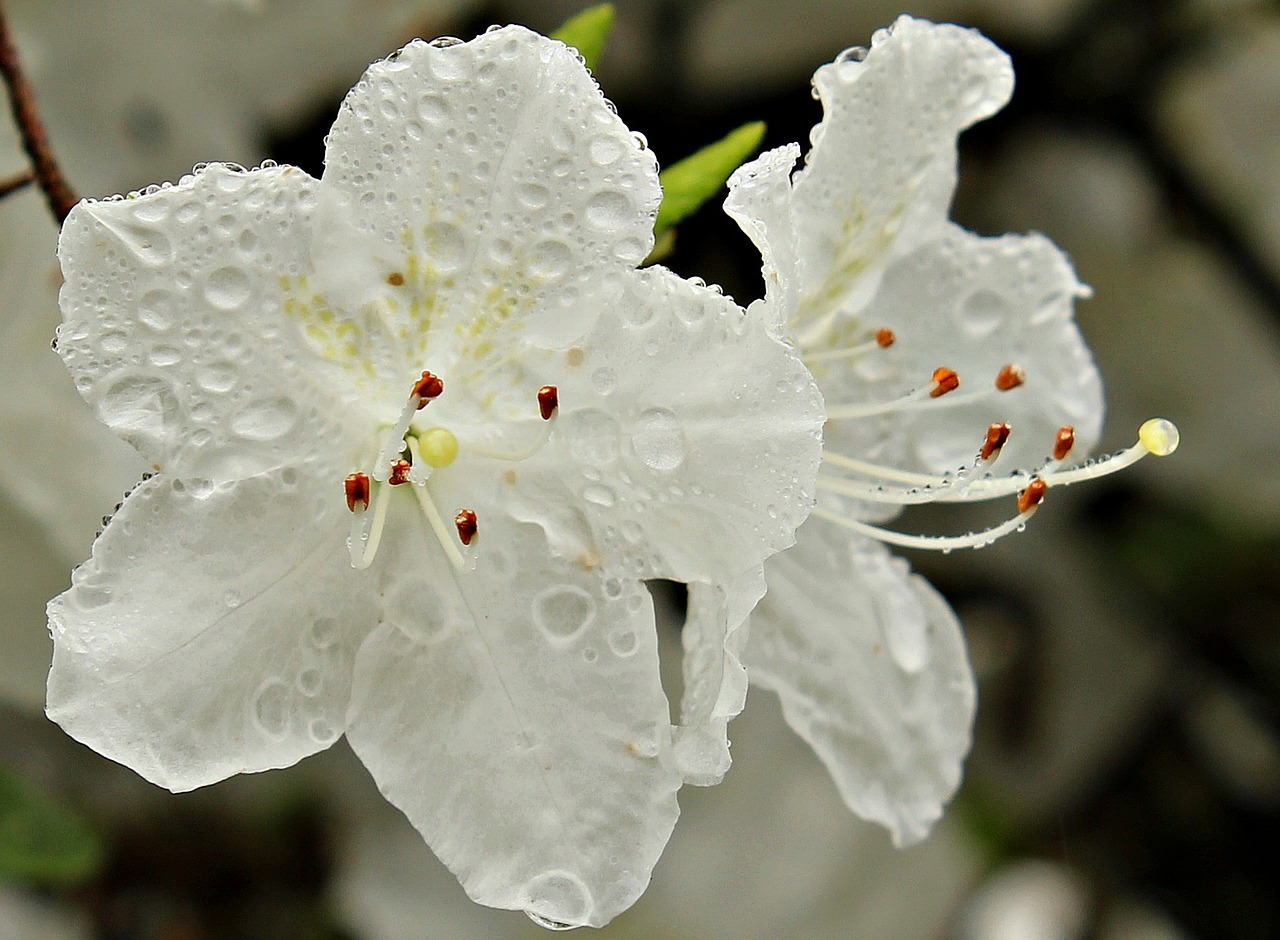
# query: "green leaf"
[[42, 842], [588, 32], [687, 185]]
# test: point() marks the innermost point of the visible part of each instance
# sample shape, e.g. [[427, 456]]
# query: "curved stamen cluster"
[[869, 482], [409, 456]]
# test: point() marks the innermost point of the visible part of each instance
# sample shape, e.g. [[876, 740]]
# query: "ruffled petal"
[[688, 438], [870, 664], [175, 324], [760, 201], [882, 169], [483, 185], [212, 632], [974, 304], [715, 681], [515, 714]]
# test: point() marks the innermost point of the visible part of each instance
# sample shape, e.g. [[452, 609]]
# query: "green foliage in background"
[[42, 842], [588, 32]]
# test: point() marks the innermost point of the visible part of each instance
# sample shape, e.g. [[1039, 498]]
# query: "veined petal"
[[688, 437], [881, 172], [975, 304], [490, 181], [514, 713], [212, 632], [760, 201], [175, 324], [873, 675]]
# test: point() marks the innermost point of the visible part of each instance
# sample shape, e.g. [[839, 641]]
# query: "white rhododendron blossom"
[[952, 371], [419, 429]]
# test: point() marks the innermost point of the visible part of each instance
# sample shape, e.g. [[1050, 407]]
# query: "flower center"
[[873, 483], [408, 456]]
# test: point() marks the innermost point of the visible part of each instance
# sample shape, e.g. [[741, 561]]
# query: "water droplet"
[[163, 356], [593, 435], [155, 310], [143, 409], [563, 612], [269, 709], [324, 633], [557, 900], [227, 288], [218, 377], [605, 150], [549, 259], [446, 246], [604, 380], [610, 210], [600, 495], [321, 731], [265, 420], [232, 599], [658, 440], [533, 195], [114, 342], [983, 311], [623, 642], [309, 681]]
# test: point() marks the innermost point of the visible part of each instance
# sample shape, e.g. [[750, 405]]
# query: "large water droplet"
[[550, 259], [217, 377], [983, 311], [142, 408], [563, 612], [600, 495], [623, 642], [557, 900], [605, 150], [227, 288], [658, 440], [610, 210], [155, 310], [269, 709], [265, 420]]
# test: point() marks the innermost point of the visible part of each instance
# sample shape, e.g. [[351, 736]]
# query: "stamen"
[[941, 543], [428, 388], [1065, 440], [433, 515], [366, 530], [944, 380], [997, 436], [548, 401], [883, 339], [400, 471], [465, 521], [1010, 377], [357, 489], [1032, 496]]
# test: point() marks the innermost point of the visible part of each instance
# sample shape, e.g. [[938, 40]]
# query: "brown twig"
[[11, 184], [35, 140]]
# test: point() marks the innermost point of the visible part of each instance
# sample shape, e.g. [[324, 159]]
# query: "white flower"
[[878, 290], [358, 392]]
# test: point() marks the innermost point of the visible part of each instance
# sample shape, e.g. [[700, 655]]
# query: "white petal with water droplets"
[[687, 441], [212, 632], [873, 675], [760, 201], [174, 323], [516, 717]]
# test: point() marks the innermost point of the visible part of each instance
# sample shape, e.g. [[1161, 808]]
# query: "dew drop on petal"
[[623, 642], [557, 900], [658, 440], [321, 731], [982, 312], [227, 288], [269, 709], [609, 210], [550, 259], [265, 420], [155, 310], [217, 377], [563, 612], [600, 495], [141, 408], [604, 380], [324, 633]]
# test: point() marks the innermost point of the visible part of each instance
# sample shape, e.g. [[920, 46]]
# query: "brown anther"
[[944, 380], [997, 435], [548, 401], [1063, 443], [399, 472], [1030, 498], [465, 520], [885, 337], [428, 387], [395, 279], [357, 487], [1010, 376]]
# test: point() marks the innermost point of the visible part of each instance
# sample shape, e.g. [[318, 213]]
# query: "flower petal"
[[882, 169], [760, 201], [975, 304], [174, 326], [212, 632], [874, 676], [515, 714], [484, 178], [715, 681], [688, 437]]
